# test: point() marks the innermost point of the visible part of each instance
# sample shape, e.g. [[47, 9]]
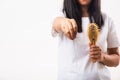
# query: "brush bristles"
[[93, 33]]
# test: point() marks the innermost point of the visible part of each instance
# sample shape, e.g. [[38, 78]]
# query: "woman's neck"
[[85, 11]]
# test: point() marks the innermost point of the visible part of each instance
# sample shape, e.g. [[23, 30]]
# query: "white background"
[[27, 50]]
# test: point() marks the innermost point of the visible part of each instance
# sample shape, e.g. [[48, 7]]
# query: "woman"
[[75, 51]]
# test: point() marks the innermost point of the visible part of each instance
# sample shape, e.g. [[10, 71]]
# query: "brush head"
[[93, 33]]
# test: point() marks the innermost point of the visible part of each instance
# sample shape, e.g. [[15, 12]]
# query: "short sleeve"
[[57, 14], [112, 39]]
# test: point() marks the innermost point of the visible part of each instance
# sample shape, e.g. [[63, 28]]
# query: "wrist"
[[102, 60]]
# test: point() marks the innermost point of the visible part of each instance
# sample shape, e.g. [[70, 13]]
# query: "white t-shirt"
[[73, 55]]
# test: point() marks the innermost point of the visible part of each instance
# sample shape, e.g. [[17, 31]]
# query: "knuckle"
[[72, 19], [69, 20], [62, 26], [67, 32], [66, 21], [92, 49], [70, 28], [75, 26], [92, 53]]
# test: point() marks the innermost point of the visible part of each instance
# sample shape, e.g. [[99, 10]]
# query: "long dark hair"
[[72, 9]]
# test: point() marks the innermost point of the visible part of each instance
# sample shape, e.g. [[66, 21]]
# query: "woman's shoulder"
[[106, 16]]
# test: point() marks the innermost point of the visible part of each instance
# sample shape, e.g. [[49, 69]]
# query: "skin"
[[69, 28], [84, 2]]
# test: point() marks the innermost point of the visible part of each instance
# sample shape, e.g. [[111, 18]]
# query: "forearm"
[[110, 60]]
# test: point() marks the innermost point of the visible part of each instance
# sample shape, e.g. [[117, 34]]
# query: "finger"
[[90, 44], [93, 60], [94, 46], [74, 30], [74, 24], [72, 33], [98, 56], [95, 49], [95, 53], [97, 46], [67, 33], [95, 56], [63, 28], [66, 29]]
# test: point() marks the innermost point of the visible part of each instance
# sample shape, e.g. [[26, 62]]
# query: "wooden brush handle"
[[93, 60]]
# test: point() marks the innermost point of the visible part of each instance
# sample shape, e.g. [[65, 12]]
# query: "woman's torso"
[[73, 58]]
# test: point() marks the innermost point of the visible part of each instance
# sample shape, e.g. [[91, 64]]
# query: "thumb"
[[90, 44]]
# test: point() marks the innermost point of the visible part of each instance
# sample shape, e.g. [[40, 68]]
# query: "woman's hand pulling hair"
[[69, 28]]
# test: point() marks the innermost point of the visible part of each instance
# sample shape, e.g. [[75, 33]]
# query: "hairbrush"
[[93, 33]]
